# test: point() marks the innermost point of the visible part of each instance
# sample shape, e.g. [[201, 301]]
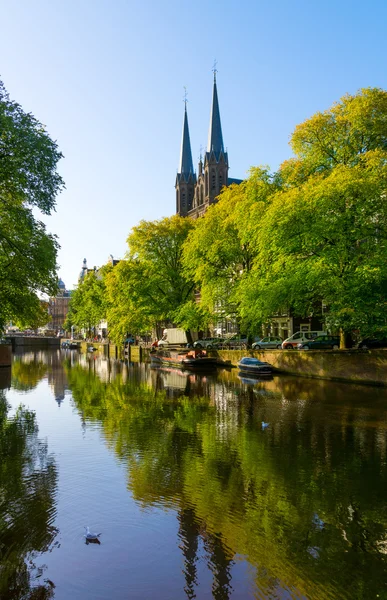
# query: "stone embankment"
[[358, 366]]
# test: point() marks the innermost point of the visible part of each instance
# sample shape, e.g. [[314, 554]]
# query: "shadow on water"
[[301, 502]]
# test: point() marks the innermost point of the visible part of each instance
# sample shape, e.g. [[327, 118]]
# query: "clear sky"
[[107, 78]]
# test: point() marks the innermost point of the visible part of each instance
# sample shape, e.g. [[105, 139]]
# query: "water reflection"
[[28, 480], [302, 502]]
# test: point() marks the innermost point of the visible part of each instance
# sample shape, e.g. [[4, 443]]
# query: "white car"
[[300, 337]]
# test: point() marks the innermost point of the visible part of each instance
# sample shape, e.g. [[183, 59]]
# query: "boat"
[[69, 346], [251, 365], [91, 349], [194, 359]]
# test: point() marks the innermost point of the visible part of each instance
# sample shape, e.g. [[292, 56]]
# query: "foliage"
[[88, 303], [323, 237], [220, 250], [38, 317], [28, 182], [150, 286]]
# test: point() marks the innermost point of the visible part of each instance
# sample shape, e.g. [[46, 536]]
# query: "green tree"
[[88, 302], [28, 182], [323, 237], [150, 285], [220, 251]]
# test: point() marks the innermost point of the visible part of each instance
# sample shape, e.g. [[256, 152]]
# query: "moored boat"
[[251, 365], [194, 359], [69, 346]]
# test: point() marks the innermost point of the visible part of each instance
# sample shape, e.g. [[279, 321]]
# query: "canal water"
[[202, 486]]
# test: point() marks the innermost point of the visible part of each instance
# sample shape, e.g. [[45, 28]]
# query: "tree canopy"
[[150, 286], [28, 182], [88, 303]]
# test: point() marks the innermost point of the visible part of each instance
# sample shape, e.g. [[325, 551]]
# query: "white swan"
[[89, 535]]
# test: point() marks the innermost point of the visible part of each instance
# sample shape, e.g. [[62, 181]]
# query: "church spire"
[[215, 138], [186, 164]]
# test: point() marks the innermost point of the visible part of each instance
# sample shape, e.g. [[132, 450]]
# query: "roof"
[[186, 164], [215, 137]]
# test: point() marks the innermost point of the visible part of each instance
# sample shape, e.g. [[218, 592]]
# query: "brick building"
[[58, 307]]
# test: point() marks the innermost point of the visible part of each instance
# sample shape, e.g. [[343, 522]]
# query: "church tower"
[[185, 178], [216, 159], [195, 194]]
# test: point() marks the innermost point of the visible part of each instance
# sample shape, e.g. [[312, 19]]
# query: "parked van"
[[300, 337]]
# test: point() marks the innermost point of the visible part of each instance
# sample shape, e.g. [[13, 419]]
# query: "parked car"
[[268, 342], [300, 337], [208, 343], [235, 341], [321, 342], [373, 343]]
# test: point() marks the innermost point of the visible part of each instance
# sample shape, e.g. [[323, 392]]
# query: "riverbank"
[[367, 367], [355, 366]]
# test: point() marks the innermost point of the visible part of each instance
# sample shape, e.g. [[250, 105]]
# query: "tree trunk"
[[342, 339], [189, 336]]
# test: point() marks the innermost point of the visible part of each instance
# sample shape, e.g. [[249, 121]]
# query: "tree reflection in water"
[[303, 501], [28, 480]]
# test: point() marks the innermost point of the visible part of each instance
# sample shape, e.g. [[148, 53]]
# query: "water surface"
[[193, 498]]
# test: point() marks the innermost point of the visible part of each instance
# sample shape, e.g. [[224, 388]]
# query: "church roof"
[[232, 180], [186, 164], [215, 138]]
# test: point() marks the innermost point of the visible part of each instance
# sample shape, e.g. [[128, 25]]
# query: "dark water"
[[192, 497]]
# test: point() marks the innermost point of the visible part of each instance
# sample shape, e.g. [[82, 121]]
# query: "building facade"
[[58, 307], [196, 192]]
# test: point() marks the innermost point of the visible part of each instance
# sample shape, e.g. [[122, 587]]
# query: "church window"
[[220, 180], [201, 194], [213, 180], [206, 183]]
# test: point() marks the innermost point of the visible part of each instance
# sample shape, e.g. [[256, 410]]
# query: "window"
[[213, 180]]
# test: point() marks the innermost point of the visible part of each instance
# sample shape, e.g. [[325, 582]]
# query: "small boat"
[[251, 365], [194, 359], [69, 345]]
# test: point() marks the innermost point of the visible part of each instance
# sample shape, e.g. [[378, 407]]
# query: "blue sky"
[[107, 78]]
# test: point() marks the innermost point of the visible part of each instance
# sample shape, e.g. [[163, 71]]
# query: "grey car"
[[268, 343], [208, 343]]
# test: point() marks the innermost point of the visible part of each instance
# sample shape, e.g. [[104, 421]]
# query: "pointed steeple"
[[215, 138], [186, 164]]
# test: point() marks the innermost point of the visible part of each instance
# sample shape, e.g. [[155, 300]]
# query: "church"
[[195, 193]]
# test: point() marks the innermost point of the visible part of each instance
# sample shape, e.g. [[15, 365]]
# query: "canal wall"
[[5, 355], [33, 342], [135, 353], [360, 366]]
